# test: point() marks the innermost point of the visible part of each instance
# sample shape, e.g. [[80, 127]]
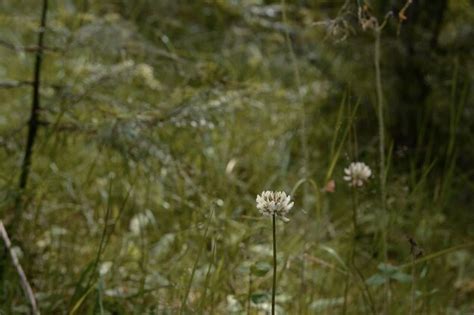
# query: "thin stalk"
[[380, 117], [274, 264], [382, 175], [354, 213], [346, 293], [436, 255], [365, 290], [215, 287], [296, 73], [353, 244], [195, 265], [33, 122], [103, 237], [302, 300], [413, 285], [303, 133], [249, 296], [366, 295], [23, 280], [208, 279]]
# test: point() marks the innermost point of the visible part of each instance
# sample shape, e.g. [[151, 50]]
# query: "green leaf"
[[377, 279], [424, 272], [259, 297], [387, 272], [261, 268], [334, 253], [387, 269], [324, 304], [401, 277]]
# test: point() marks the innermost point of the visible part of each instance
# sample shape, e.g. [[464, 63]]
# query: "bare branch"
[[24, 281], [35, 105]]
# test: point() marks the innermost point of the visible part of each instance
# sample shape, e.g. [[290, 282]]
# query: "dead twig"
[[35, 107], [24, 281]]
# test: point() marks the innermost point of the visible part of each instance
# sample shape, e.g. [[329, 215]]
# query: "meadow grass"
[[141, 195]]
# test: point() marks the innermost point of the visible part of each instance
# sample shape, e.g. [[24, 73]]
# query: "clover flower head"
[[276, 203], [357, 174]]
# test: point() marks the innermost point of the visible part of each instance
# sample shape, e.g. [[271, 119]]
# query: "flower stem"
[[354, 213], [249, 298], [274, 264], [413, 285], [380, 118], [353, 245]]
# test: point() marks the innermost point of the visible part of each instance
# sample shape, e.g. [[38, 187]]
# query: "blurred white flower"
[[140, 221], [275, 203], [146, 72], [233, 305], [357, 174], [105, 267]]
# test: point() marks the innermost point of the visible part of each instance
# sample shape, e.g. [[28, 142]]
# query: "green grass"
[[141, 198]]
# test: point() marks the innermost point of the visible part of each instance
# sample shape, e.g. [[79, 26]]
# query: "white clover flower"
[[276, 203], [357, 174]]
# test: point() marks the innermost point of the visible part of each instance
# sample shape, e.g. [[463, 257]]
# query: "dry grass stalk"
[[24, 281]]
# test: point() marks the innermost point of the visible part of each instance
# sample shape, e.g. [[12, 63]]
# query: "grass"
[[141, 198]]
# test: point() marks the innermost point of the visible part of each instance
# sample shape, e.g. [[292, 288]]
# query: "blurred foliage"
[[162, 120]]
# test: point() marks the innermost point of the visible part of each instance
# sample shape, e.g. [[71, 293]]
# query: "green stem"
[[437, 254], [33, 122], [382, 176], [297, 76], [380, 118], [193, 272], [352, 253], [413, 285], [346, 291], [274, 265], [249, 297], [354, 212]]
